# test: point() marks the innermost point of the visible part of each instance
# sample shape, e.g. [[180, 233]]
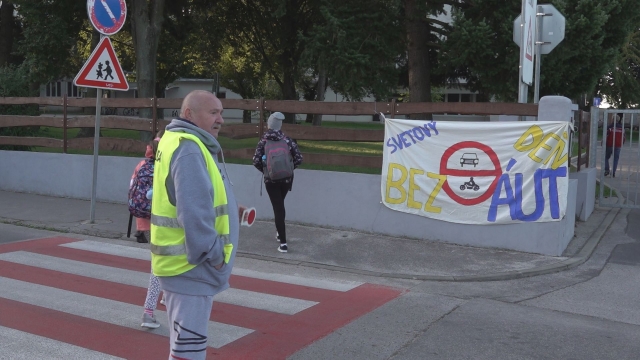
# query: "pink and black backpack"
[[139, 191]]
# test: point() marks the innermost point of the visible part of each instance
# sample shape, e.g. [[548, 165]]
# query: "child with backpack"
[[276, 156], [139, 186], [140, 195]]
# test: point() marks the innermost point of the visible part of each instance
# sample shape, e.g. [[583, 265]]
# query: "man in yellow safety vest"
[[194, 222]]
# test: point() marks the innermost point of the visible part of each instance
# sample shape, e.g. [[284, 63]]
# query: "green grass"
[[324, 147], [57, 133], [232, 144], [308, 146], [85, 152], [350, 125], [341, 147], [608, 192]]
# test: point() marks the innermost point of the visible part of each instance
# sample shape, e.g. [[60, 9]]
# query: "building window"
[[453, 97], [73, 91], [54, 89], [465, 97]]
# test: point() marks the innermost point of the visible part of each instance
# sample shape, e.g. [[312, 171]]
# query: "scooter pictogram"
[[470, 185]]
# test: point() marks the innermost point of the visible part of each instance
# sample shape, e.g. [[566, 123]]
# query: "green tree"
[[190, 42], [272, 29], [146, 27], [9, 29], [354, 48], [423, 37], [243, 74], [480, 47], [621, 87], [50, 34], [357, 44]]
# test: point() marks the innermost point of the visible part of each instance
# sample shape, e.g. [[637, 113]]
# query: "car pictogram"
[[469, 159]]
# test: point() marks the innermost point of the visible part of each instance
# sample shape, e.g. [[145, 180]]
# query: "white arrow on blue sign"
[[107, 16]]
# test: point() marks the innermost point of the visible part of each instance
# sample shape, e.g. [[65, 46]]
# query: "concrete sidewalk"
[[346, 251]]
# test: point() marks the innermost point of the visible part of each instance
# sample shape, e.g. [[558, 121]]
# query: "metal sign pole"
[[523, 89], [536, 91], [96, 148], [90, 76]]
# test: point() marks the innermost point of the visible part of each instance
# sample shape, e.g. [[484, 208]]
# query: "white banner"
[[476, 172]]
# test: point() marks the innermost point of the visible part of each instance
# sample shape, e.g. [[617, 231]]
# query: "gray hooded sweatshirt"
[[193, 198]]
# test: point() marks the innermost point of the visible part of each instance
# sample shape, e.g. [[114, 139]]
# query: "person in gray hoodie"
[[190, 189]]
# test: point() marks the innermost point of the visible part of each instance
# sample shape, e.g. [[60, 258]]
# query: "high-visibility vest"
[[168, 251]]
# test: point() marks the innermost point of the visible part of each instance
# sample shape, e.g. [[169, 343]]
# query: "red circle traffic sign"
[[107, 16], [496, 172]]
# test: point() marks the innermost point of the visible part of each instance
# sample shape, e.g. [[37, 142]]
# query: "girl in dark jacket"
[[277, 189]]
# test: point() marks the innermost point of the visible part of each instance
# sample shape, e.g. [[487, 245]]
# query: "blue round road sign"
[[107, 16]]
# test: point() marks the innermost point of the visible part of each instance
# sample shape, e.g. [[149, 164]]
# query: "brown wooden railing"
[[584, 138], [236, 131]]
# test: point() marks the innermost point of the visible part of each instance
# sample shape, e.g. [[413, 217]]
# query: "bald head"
[[194, 101], [203, 109]]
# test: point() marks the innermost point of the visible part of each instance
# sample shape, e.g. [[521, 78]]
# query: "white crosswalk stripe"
[[96, 288], [144, 254], [240, 297], [105, 310], [110, 249], [19, 345]]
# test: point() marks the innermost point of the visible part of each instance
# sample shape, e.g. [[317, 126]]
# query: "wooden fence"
[[584, 138], [236, 131]]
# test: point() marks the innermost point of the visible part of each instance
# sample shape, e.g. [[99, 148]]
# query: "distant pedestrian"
[[143, 226], [195, 222], [615, 139], [276, 156]]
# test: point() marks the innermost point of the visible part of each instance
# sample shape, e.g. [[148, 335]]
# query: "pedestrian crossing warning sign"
[[102, 70]]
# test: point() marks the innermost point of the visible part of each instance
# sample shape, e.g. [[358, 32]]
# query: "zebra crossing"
[[68, 298]]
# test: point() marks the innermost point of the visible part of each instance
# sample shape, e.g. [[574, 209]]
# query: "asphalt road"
[[588, 312]]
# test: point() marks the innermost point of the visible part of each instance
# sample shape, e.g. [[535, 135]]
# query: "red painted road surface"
[[275, 335]]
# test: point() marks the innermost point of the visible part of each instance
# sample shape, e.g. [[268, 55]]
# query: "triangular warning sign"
[[102, 70], [529, 52]]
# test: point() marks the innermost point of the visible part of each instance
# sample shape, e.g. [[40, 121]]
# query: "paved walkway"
[[626, 181], [342, 250]]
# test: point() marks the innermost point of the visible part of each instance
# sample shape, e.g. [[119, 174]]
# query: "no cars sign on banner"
[[476, 172]]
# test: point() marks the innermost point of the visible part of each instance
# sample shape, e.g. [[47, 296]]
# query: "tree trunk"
[[289, 93], [288, 59], [309, 94], [418, 56], [146, 25], [6, 32], [91, 93], [321, 89]]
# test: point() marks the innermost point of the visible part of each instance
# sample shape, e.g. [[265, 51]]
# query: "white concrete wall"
[[322, 198], [586, 199]]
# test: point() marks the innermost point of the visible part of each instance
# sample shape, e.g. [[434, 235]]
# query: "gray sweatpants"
[[188, 325]]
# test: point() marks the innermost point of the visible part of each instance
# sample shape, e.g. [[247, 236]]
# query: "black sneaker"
[[283, 248], [614, 174], [140, 237], [606, 173]]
